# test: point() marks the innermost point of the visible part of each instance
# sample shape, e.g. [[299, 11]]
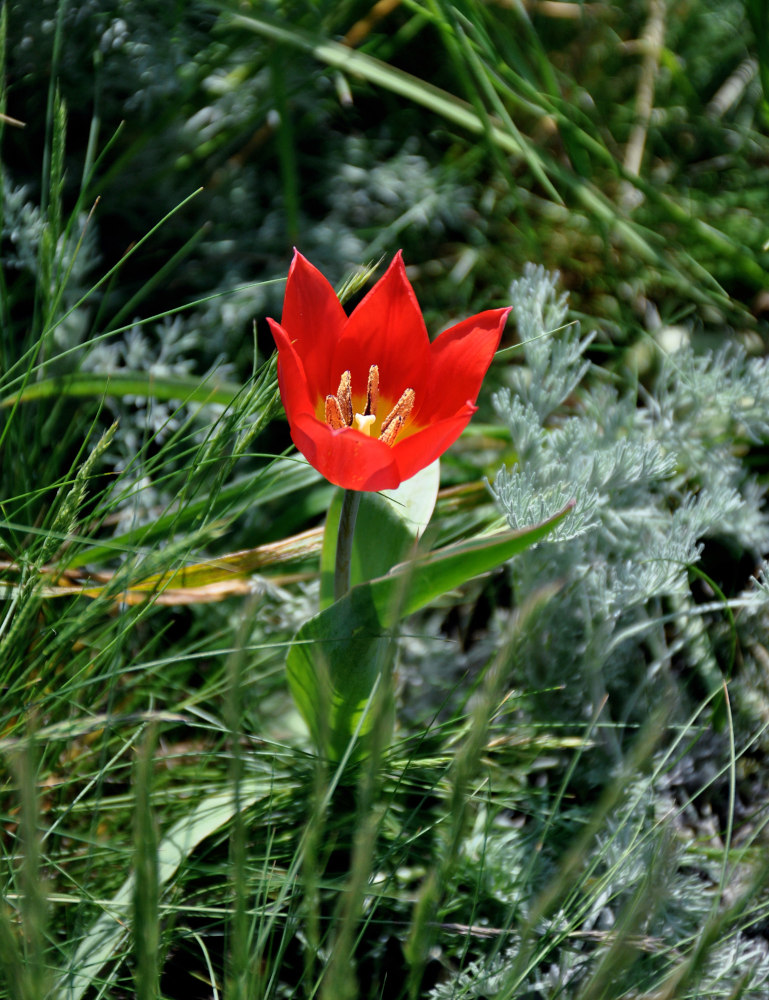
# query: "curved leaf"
[[337, 656], [387, 526]]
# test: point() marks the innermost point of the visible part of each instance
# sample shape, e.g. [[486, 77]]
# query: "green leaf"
[[387, 526], [337, 657], [376, 72], [189, 389], [333, 666], [414, 500], [415, 584]]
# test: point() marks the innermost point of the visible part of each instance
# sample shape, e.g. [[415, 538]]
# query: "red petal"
[[422, 448], [314, 319], [386, 329], [459, 359], [316, 343], [292, 378], [346, 457]]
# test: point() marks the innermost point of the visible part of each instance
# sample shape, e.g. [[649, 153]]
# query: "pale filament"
[[364, 422], [339, 410]]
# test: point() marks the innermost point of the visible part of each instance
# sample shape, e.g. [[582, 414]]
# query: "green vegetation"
[[560, 790]]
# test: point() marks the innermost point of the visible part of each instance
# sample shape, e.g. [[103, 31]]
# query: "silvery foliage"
[[637, 869], [651, 482], [23, 226], [386, 197], [76, 256], [164, 350]]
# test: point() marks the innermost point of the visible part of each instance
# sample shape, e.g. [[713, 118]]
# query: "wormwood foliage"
[[636, 632], [657, 474]]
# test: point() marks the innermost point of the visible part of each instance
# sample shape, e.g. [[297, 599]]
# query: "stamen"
[[334, 413], [401, 409], [344, 397], [390, 433], [363, 422], [372, 390], [339, 408]]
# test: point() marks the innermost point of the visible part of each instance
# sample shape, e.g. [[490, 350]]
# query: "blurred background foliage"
[[622, 144]]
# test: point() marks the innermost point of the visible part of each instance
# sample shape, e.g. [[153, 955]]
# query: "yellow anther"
[[400, 411], [334, 416], [340, 413], [372, 390], [344, 397], [390, 433]]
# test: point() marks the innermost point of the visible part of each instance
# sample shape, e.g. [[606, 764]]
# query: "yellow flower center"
[[340, 412]]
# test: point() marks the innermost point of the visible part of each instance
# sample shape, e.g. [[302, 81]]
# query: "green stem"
[[347, 518]]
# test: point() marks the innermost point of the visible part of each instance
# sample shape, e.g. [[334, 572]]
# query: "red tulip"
[[369, 400]]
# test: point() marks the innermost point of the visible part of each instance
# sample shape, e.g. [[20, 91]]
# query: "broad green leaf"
[[333, 666], [338, 655], [387, 526], [413, 585], [414, 500]]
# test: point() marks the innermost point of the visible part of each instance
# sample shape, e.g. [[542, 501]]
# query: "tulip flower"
[[369, 399]]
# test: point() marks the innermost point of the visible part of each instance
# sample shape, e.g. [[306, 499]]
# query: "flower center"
[[341, 413]]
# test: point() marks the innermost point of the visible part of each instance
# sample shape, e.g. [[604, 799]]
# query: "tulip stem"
[[347, 518]]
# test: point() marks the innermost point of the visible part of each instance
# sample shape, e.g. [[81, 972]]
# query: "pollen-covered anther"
[[372, 391], [398, 414], [344, 397], [393, 429], [334, 417]]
